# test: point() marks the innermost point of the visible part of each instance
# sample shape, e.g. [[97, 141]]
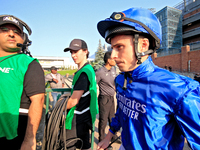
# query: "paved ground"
[[96, 135], [115, 145]]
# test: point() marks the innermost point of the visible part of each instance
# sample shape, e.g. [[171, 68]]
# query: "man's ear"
[[144, 46], [86, 51]]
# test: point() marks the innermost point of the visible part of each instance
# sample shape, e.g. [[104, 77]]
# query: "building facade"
[[191, 24], [59, 62], [171, 22], [187, 30]]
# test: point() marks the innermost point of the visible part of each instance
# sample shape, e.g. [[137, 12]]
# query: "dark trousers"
[[106, 113], [15, 143], [78, 136]]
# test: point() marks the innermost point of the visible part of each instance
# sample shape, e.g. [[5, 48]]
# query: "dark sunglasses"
[[16, 31]]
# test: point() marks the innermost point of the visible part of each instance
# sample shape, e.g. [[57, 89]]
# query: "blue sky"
[[55, 23]]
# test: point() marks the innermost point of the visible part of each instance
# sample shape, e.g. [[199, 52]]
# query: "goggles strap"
[[147, 28], [121, 17]]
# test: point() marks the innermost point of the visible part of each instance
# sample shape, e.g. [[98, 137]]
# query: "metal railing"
[[194, 46], [48, 90], [181, 5]]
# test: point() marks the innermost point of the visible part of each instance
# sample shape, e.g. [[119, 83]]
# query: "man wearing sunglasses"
[[157, 108], [22, 88], [105, 79]]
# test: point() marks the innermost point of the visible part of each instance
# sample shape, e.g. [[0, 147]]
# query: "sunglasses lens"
[[5, 29]]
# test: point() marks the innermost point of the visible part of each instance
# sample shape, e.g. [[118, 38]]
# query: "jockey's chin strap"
[[139, 55]]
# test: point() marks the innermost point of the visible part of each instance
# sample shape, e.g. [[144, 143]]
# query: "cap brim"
[[104, 25], [71, 48], [9, 22]]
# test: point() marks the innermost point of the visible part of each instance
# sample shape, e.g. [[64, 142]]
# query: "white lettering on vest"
[[5, 70]]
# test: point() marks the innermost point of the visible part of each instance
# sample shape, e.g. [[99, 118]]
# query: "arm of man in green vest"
[[34, 117], [74, 99]]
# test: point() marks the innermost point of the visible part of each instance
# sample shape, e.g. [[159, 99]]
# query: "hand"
[[55, 80], [29, 145], [103, 144]]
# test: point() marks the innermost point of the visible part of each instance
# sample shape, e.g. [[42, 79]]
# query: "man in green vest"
[[82, 105], [22, 88]]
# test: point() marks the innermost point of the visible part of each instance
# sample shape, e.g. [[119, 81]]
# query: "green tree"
[[99, 54]]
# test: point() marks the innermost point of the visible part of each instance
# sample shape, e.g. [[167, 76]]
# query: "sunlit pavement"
[[115, 145], [96, 135]]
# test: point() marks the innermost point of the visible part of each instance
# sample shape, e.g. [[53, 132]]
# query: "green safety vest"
[[93, 92], [12, 72]]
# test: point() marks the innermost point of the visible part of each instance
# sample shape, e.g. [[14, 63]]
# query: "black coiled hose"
[[55, 130]]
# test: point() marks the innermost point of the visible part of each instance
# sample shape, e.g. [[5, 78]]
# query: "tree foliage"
[[98, 61]]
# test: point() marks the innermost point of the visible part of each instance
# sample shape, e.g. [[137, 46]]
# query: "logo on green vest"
[[5, 70]]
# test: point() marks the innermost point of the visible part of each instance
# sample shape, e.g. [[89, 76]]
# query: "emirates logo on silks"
[[9, 18]]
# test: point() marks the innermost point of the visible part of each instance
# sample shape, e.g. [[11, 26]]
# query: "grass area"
[[63, 72]]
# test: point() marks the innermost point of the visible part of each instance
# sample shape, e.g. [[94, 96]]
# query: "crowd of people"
[[156, 109]]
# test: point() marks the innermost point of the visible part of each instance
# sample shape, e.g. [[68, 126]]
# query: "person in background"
[[105, 79], [82, 106], [157, 109], [56, 80], [22, 88]]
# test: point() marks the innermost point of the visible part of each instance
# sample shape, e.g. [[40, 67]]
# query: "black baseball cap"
[[9, 19], [76, 44]]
